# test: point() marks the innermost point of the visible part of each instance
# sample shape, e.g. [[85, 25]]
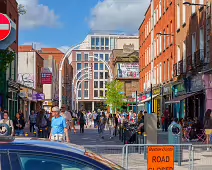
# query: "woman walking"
[[112, 125], [208, 126], [19, 125], [102, 123], [9, 122], [82, 122]]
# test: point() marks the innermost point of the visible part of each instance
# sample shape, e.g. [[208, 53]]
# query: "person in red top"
[[166, 115], [163, 122]]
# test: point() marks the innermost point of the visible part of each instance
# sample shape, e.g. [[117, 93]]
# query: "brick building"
[[157, 52], [9, 88]]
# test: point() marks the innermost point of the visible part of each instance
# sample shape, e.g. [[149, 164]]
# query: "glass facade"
[[102, 43]]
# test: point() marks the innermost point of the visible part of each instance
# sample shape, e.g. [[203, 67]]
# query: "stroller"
[[134, 132]]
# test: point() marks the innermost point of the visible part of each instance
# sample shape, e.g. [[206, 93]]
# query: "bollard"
[[145, 147], [139, 142], [34, 133]]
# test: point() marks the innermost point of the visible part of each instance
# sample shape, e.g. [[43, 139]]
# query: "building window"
[[102, 43], [101, 75], [105, 84], [160, 75], [184, 13], [168, 37], [178, 53], [79, 93], [160, 9], [101, 66], [164, 40], [184, 56], [106, 75], [193, 46], [79, 75], [86, 85], [79, 66], [79, 57], [85, 93], [86, 57], [178, 16], [106, 57], [193, 6], [95, 66], [101, 84], [164, 72], [96, 57], [168, 65], [101, 56], [96, 93], [96, 75], [97, 43], [107, 42], [201, 38], [164, 6], [96, 84], [160, 43], [85, 65], [101, 93], [105, 93], [93, 42]]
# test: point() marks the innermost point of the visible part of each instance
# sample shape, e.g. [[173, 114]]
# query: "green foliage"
[[114, 96], [6, 57]]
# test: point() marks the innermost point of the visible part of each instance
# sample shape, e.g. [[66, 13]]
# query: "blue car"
[[38, 154]]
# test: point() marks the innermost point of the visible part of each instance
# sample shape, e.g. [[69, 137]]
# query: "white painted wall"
[[26, 69]]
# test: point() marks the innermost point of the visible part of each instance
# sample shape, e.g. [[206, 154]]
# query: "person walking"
[[1, 114], [32, 121], [19, 125], [73, 115], [208, 126], [102, 122], [59, 126], [9, 122], [67, 116], [112, 125], [42, 124], [94, 118], [90, 117], [82, 122]]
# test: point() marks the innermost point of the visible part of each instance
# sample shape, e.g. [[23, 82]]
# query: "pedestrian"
[[42, 124], [208, 126], [67, 116], [9, 122], [73, 115], [112, 125], [19, 125], [94, 119], [32, 121], [102, 122], [82, 122], [163, 122], [59, 126], [90, 117], [1, 114]]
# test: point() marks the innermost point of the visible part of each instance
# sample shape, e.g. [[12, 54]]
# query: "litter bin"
[[175, 137]]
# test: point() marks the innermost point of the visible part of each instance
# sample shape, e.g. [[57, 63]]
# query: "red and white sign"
[[46, 78], [5, 27]]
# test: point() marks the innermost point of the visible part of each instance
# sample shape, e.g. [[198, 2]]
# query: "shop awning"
[[180, 98], [149, 98]]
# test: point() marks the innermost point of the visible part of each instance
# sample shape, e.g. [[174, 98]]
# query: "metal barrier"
[[201, 157], [135, 156]]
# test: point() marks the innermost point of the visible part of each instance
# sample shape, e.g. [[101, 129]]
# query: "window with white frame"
[[168, 36], [160, 9], [160, 43], [178, 16], [184, 13], [86, 90], [160, 77], [168, 72], [164, 5], [86, 57], [193, 7], [193, 46], [157, 47], [178, 53], [154, 43], [164, 71], [201, 2], [164, 40], [79, 57]]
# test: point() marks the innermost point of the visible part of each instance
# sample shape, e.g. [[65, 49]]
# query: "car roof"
[[49, 144]]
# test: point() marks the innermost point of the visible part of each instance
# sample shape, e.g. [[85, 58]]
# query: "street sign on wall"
[[46, 78], [5, 27]]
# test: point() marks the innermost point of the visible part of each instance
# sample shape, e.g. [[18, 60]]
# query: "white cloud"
[[37, 15], [118, 15]]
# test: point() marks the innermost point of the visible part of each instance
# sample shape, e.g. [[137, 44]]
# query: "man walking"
[[59, 126]]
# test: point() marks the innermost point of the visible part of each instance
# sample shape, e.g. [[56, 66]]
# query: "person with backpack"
[[9, 122], [102, 122], [82, 122], [42, 124], [32, 121]]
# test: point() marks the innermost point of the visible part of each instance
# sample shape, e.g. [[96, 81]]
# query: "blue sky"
[[49, 23]]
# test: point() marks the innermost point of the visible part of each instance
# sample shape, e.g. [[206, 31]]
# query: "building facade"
[[157, 53], [95, 53], [125, 66], [29, 76], [9, 88]]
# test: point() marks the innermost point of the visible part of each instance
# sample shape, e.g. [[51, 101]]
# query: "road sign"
[[5, 27], [46, 78], [160, 157]]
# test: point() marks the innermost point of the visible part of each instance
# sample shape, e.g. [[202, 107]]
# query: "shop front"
[[166, 96], [40, 97], [157, 100], [207, 80], [196, 102]]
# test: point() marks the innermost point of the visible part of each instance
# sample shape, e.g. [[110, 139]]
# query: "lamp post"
[[75, 76], [67, 54]]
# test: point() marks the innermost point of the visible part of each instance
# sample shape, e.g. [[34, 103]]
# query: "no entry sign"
[[5, 27], [160, 158]]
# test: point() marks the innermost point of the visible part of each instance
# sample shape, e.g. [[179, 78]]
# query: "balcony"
[[189, 63], [199, 58], [175, 70], [180, 67]]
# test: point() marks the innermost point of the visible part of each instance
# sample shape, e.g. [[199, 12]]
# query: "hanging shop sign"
[[40, 97], [23, 93], [196, 84], [179, 90], [29, 96], [156, 91], [166, 90]]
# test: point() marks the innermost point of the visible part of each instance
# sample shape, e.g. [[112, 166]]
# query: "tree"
[[6, 57], [114, 96]]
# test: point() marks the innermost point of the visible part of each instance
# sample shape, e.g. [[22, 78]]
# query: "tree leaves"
[[114, 95], [6, 57]]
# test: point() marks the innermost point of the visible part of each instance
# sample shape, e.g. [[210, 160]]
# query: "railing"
[[180, 67], [175, 70], [199, 58], [189, 63]]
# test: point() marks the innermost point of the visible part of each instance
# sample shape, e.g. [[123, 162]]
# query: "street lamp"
[[189, 3], [67, 54]]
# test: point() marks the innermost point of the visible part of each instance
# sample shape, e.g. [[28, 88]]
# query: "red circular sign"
[[5, 27]]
